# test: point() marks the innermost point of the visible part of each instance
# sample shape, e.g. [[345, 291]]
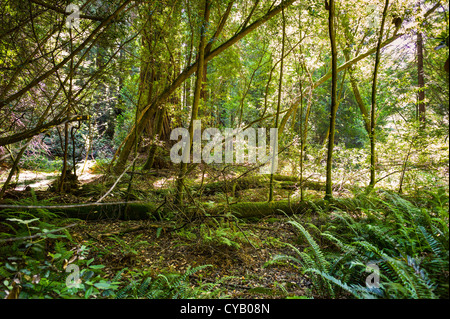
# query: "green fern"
[[164, 286], [356, 291], [410, 245]]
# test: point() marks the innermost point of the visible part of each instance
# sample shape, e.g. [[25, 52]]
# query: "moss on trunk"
[[129, 211], [262, 209]]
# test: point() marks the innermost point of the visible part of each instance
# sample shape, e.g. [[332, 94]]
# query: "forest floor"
[[239, 252], [243, 267], [151, 236]]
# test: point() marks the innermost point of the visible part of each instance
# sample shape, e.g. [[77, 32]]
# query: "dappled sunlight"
[[38, 180]]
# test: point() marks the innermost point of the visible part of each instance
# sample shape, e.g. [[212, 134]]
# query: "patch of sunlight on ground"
[[41, 180]]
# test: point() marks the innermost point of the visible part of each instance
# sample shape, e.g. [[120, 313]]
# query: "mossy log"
[[229, 186], [262, 209], [143, 211], [244, 183], [124, 211]]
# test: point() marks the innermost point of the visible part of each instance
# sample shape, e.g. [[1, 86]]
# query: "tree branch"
[[40, 129], [63, 11], [39, 79]]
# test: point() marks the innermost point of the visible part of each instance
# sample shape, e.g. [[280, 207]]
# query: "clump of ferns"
[[408, 245], [168, 286], [327, 273]]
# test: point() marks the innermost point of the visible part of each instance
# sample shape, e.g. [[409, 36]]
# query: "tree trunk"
[[280, 86], [421, 79], [64, 168], [374, 99], [331, 29], [197, 98], [302, 143], [152, 152]]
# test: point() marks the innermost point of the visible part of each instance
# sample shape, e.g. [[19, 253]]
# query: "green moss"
[[130, 211]]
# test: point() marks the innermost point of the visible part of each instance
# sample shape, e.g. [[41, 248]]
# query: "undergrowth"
[[381, 246], [40, 259]]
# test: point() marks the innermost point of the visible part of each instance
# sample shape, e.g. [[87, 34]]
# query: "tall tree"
[[420, 75], [197, 96], [374, 99], [332, 34], [280, 86]]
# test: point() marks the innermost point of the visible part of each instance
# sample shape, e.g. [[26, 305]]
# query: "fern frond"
[[357, 291], [319, 257]]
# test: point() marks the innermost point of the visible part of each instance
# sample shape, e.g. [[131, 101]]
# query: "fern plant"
[[408, 243], [169, 286]]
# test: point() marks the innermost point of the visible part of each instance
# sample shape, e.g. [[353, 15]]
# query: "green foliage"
[[409, 244], [42, 163], [129, 248], [27, 223], [169, 285], [53, 266], [41, 267], [218, 236]]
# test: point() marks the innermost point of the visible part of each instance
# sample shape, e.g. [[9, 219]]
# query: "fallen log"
[[144, 211], [95, 211], [123, 211], [262, 209], [253, 182]]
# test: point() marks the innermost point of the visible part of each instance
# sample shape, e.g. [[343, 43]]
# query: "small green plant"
[[62, 273], [132, 247], [101, 166]]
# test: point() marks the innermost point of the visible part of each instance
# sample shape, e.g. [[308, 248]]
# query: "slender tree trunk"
[[374, 99], [152, 152], [332, 33], [197, 97], [421, 107], [280, 86], [64, 168], [72, 136], [420, 79], [302, 143], [66, 125]]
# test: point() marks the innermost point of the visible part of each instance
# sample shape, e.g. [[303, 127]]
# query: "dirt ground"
[[245, 269]]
